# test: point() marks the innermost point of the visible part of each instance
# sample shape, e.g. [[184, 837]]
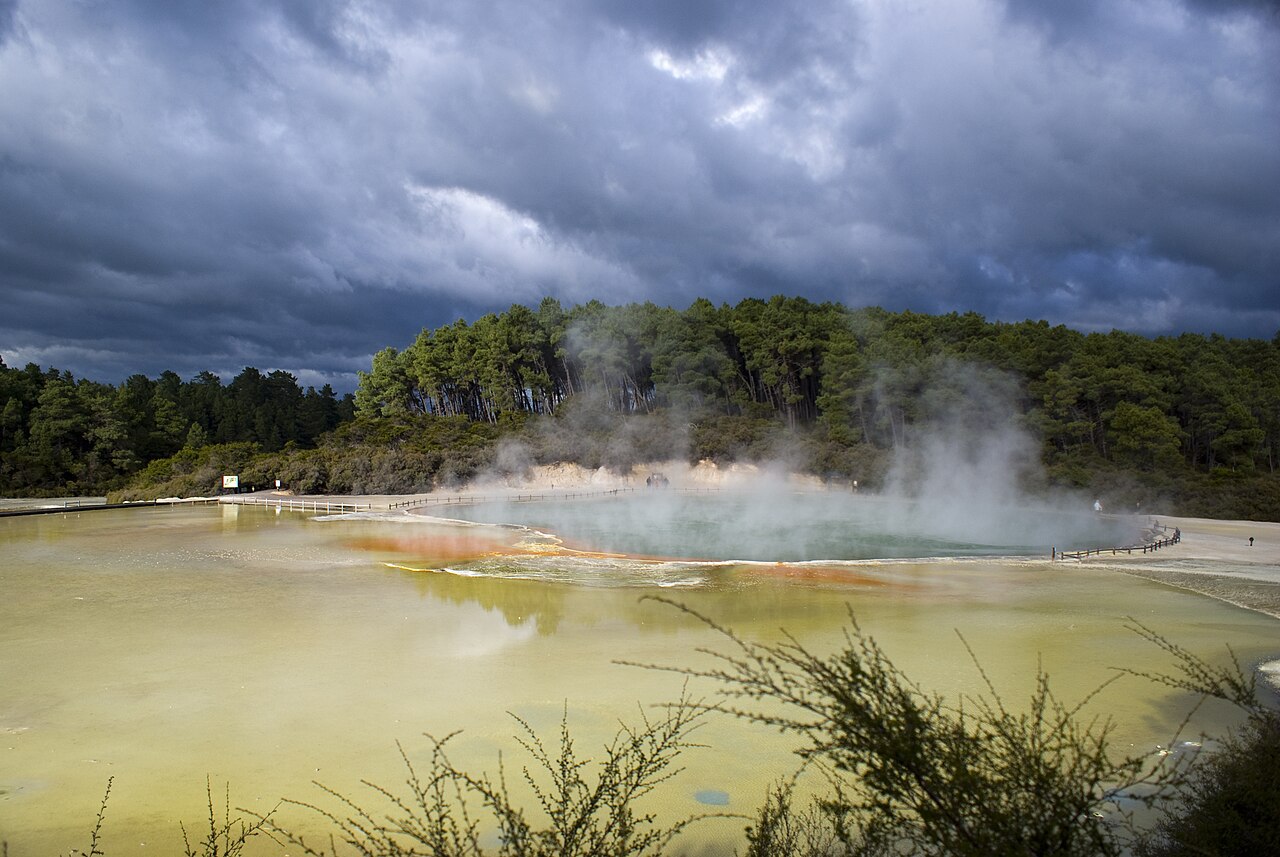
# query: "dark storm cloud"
[[8, 9], [295, 184]]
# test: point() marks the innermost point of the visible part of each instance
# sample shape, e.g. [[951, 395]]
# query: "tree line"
[[1190, 418], [1190, 402], [61, 433]]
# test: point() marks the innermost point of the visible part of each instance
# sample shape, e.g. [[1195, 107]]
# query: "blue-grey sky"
[[295, 184]]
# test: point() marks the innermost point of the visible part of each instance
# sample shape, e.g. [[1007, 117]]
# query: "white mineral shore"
[[1214, 558]]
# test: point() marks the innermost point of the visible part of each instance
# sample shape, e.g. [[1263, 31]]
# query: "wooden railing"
[[304, 505], [1149, 547], [297, 505], [75, 505]]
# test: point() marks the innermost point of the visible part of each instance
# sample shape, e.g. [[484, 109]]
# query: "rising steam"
[[970, 470], [965, 478]]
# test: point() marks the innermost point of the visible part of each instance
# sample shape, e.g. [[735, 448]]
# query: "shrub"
[[910, 773], [577, 815], [906, 773], [1230, 803]]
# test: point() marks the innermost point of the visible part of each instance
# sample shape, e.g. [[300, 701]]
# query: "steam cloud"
[[965, 479]]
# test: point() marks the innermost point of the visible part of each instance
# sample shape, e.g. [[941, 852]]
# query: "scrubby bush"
[[581, 809], [911, 773], [1230, 803], [306, 472], [725, 439], [901, 772], [189, 473]]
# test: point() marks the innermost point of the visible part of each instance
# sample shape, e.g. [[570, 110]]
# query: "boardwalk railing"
[[338, 506], [1149, 547], [81, 505], [297, 505]]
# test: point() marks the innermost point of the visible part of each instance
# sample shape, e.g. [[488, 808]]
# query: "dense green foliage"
[[1192, 419], [1191, 422], [1205, 402], [59, 433], [397, 455]]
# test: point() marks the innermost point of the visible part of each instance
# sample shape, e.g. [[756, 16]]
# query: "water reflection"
[[518, 602]]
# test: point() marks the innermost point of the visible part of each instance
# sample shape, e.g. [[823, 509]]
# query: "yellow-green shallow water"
[[160, 646]]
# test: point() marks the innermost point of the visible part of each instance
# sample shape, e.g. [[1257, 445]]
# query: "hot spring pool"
[[266, 650]]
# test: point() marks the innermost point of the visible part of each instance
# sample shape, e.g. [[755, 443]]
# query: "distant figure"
[[656, 480], [1097, 505], [1250, 541]]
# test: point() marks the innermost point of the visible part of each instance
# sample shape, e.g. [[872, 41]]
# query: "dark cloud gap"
[[8, 19], [685, 26]]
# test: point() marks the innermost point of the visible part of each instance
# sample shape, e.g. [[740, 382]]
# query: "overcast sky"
[[295, 184]]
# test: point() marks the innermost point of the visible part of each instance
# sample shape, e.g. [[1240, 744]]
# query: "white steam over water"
[[969, 471], [965, 481], [670, 538]]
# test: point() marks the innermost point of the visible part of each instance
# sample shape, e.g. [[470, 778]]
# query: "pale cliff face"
[[679, 474]]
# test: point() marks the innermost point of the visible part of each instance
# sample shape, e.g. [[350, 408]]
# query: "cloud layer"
[[297, 183]]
